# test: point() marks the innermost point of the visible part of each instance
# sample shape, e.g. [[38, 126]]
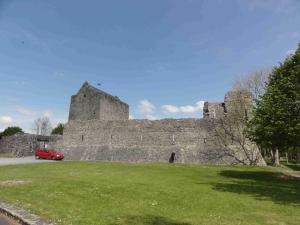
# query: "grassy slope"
[[161, 194]]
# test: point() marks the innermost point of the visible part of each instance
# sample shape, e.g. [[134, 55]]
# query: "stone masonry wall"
[[235, 102], [191, 140], [20, 145], [213, 110], [239, 102], [112, 109], [84, 106], [91, 103]]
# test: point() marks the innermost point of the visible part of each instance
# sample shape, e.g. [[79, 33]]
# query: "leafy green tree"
[[9, 131], [276, 121], [58, 129]]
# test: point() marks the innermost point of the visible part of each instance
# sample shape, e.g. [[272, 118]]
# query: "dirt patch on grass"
[[9, 183]]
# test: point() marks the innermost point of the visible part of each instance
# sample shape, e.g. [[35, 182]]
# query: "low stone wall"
[[21, 216], [192, 141], [20, 145]]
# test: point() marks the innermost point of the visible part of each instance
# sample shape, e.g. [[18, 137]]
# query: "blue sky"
[[162, 57]]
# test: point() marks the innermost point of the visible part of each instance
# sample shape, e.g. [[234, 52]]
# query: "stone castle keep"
[[99, 129], [91, 103]]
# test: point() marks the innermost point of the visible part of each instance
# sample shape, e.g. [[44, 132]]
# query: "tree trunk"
[[272, 154], [287, 157], [276, 158]]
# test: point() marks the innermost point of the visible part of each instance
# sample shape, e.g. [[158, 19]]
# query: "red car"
[[45, 153]]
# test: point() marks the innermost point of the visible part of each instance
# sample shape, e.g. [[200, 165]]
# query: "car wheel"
[[53, 158], [37, 157]]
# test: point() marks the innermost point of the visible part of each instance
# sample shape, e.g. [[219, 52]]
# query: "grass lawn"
[[294, 166], [152, 194]]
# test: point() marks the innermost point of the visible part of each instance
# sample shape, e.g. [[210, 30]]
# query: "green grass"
[[294, 166], [153, 194]]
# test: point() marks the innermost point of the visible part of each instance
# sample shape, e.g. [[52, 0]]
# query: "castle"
[[99, 129]]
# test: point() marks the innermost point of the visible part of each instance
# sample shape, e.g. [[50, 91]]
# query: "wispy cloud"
[[25, 111], [184, 109], [146, 107], [170, 108], [151, 117], [147, 110], [12, 99], [6, 120], [48, 113]]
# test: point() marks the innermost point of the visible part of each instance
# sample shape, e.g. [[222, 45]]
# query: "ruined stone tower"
[[91, 103], [235, 102]]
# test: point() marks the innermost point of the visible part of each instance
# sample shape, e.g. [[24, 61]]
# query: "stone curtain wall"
[[191, 140], [20, 145], [55, 142]]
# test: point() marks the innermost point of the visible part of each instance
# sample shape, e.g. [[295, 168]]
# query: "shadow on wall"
[[278, 187], [147, 220]]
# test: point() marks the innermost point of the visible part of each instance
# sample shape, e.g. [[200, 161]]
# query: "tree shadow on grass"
[[147, 220], [263, 185]]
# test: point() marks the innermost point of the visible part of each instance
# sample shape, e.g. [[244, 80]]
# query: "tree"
[[276, 121], [58, 129], [42, 126], [254, 82], [9, 131], [230, 130]]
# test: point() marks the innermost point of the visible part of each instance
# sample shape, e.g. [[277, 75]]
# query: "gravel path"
[[23, 160]]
